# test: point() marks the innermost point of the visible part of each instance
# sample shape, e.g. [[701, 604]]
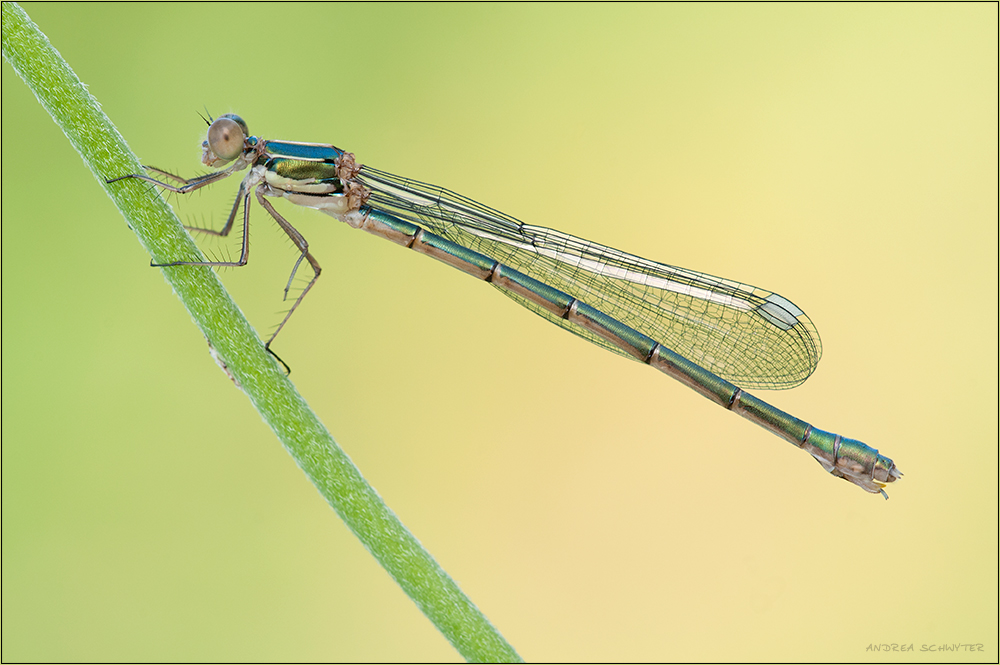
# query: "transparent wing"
[[752, 337]]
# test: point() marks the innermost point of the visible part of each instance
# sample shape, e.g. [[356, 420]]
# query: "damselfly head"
[[226, 137]]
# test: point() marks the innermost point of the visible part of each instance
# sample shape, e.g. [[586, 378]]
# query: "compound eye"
[[238, 120], [226, 137]]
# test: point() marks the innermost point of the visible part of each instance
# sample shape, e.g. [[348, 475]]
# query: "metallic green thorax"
[[307, 172]]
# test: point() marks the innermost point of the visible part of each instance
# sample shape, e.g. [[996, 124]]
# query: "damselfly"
[[702, 330]]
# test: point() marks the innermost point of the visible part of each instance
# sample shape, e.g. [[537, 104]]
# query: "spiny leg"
[[303, 247], [188, 185], [245, 249], [229, 221], [168, 174]]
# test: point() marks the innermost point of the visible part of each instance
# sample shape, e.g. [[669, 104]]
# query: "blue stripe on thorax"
[[319, 152]]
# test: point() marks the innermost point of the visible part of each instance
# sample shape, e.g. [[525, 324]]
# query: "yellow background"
[[844, 156]]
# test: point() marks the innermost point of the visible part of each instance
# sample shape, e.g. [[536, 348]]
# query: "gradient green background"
[[842, 155]]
